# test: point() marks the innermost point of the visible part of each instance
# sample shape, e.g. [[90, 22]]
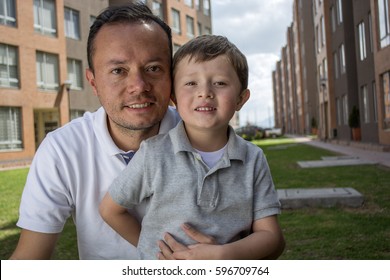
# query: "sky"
[[258, 28]]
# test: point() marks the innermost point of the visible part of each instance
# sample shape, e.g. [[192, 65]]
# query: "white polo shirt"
[[70, 174]]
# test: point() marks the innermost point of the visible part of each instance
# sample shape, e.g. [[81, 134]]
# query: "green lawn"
[[330, 233]]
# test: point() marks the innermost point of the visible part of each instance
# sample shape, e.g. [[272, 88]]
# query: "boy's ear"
[[242, 99]]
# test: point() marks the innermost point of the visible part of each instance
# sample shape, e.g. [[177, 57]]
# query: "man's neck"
[[128, 139]]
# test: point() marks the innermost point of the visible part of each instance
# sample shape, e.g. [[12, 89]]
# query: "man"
[[129, 56]]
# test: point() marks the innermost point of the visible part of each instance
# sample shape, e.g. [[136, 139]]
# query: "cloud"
[[258, 28], [253, 25]]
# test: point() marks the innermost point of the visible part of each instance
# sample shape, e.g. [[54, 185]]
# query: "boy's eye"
[[220, 83], [190, 84]]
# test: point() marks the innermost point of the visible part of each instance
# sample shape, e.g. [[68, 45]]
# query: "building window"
[[325, 68], [190, 27], [386, 98], [74, 114], [339, 111], [207, 31], [323, 38], [375, 104], [370, 33], [8, 66], [342, 59], [333, 18], [366, 112], [336, 65], [384, 23], [362, 41], [10, 129], [175, 48], [197, 6], [45, 17], [345, 109], [75, 73], [7, 12], [188, 3], [176, 21], [339, 8], [157, 9], [206, 7], [91, 20], [47, 71], [72, 24], [317, 35]]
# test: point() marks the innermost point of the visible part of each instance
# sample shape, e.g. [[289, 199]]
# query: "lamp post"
[[324, 120], [67, 85]]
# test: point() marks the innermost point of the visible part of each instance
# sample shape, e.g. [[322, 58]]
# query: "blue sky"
[[258, 28]]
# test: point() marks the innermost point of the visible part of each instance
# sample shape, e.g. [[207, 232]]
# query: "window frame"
[[43, 72], [13, 129], [9, 81], [9, 16], [72, 23]]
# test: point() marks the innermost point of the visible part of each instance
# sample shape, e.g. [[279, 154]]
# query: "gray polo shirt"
[[222, 201]]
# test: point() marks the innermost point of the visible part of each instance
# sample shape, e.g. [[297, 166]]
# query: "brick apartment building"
[[43, 61], [341, 60]]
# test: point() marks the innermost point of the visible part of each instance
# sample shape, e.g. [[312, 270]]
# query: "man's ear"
[[242, 99], [91, 79]]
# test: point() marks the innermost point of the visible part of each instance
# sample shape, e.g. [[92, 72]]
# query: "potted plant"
[[314, 126], [354, 124]]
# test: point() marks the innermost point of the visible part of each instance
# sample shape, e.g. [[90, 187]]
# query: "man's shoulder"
[[170, 120], [80, 130]]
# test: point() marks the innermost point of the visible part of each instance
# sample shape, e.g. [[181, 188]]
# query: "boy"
[[220, 183]]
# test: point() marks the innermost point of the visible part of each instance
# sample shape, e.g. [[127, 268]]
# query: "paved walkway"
[[368, 155], [328, 197]]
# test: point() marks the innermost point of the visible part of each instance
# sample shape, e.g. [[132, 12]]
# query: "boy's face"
[[207, 93]]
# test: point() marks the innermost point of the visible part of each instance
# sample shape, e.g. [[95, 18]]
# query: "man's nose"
[[137, 82]]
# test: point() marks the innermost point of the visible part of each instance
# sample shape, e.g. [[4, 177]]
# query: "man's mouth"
[[139, 106], [205, 109]]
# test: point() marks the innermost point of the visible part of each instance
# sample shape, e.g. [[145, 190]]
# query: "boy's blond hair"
[[208, 47]]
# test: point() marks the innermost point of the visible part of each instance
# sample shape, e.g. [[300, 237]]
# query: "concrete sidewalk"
[[351, 154], [368, 153]]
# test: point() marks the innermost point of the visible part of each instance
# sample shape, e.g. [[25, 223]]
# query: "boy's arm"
[[120, 220], [266, 242]]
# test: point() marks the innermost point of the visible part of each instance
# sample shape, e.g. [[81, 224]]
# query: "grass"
[[11, 187], [315, 233], [338, 232]]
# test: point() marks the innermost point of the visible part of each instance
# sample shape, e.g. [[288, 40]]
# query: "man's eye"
[[153, 69], [117, 71], [190, 83]]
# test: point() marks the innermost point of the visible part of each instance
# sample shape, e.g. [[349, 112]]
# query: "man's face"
[[132, 75]]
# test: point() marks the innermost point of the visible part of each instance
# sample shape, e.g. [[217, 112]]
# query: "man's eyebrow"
[[157, 59], [116, 61]]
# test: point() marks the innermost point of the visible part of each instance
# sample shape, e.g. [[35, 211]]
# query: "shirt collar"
[[169, 121], [236, 149]]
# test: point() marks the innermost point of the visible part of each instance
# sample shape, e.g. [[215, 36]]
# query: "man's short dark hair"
[[129, 13]]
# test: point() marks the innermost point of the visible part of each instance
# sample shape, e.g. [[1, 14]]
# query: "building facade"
[[351, 43], [43, 60]]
